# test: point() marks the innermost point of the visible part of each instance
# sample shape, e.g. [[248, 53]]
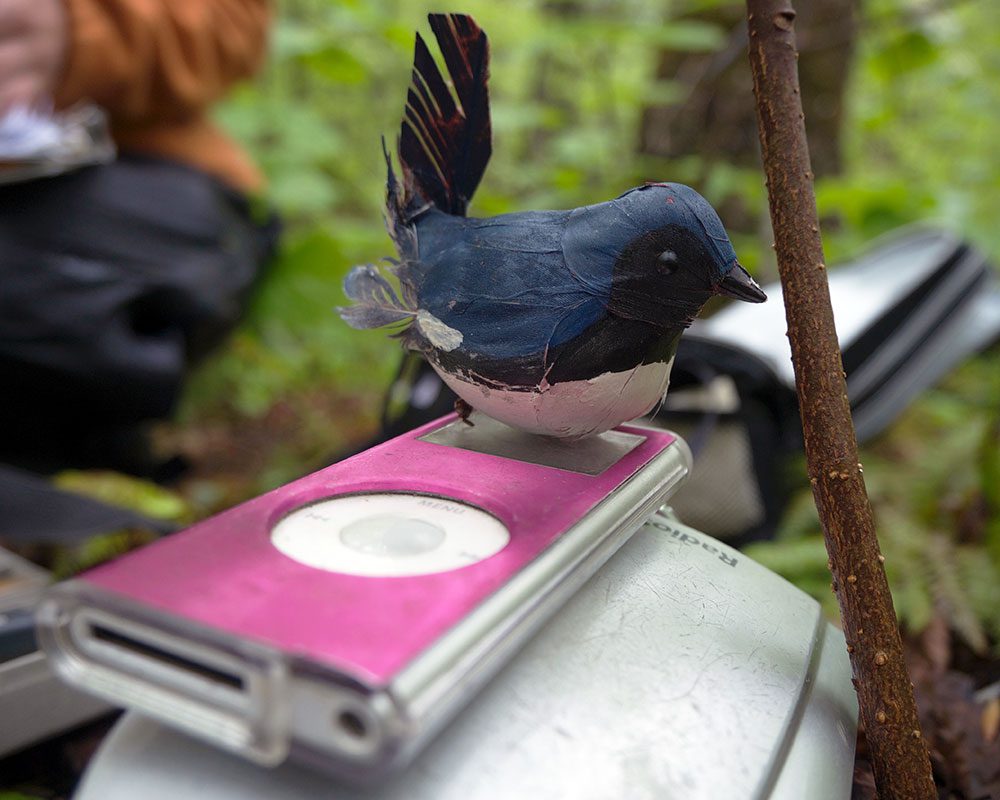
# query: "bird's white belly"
[[571, 409]]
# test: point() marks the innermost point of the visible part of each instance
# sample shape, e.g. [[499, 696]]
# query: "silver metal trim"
[[249, 720]]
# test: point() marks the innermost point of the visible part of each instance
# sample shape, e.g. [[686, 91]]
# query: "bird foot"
[[463, 410]]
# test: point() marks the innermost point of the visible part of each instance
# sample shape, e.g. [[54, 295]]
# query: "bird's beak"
[[740, 286]]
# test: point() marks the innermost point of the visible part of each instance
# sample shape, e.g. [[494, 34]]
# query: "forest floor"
[[958, 699]]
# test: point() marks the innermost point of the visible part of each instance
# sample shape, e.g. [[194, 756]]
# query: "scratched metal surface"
[[682, 670]]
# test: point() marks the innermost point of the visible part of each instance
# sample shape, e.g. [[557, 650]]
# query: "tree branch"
[[885, 695]]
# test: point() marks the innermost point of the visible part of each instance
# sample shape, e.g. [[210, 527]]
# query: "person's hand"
[[34, 37]]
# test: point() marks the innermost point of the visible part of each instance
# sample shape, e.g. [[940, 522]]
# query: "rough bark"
[[885, 695]]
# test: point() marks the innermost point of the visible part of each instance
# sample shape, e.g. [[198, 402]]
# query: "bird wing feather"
[[375, 301]]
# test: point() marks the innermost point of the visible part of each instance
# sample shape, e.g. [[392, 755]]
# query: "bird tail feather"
[[445, 139], [444, 145]]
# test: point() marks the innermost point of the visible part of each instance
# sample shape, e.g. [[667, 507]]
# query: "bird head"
[[671, 254]]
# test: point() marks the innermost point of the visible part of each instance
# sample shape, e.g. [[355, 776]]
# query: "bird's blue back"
[[517, 284], [504, 281]]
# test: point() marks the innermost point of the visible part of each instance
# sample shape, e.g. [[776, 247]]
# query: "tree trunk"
[[885, 695]]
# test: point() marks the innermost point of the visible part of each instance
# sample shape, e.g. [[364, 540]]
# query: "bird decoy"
[[562, 323]]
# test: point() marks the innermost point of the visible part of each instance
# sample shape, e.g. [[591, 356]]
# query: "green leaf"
[[910, 51], [291, 38], [303, 192], [126, 491], [793, 560], [336, 64]]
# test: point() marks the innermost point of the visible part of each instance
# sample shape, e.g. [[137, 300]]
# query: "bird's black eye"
[[667, 262]]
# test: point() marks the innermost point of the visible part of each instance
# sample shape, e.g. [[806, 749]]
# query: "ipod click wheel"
[[342, 619], [389, 534]]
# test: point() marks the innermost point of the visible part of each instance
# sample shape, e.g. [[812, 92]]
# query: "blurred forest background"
[[591, 97]]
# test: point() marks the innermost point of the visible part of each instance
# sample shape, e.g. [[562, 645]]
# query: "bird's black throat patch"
[[612, 344]]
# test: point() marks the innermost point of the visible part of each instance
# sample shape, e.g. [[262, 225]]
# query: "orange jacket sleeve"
[[152, 61]]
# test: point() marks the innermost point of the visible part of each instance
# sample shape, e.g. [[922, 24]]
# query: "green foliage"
[[122, 490], [929, 481], [292, 339], [923, 116]]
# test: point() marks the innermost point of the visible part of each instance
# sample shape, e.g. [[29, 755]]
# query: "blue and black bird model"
[[562, 323]]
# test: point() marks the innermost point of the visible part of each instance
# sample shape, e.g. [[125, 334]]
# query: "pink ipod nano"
[[343, 618]]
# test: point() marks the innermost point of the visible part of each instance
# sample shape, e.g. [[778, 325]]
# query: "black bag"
[[114, 280]]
